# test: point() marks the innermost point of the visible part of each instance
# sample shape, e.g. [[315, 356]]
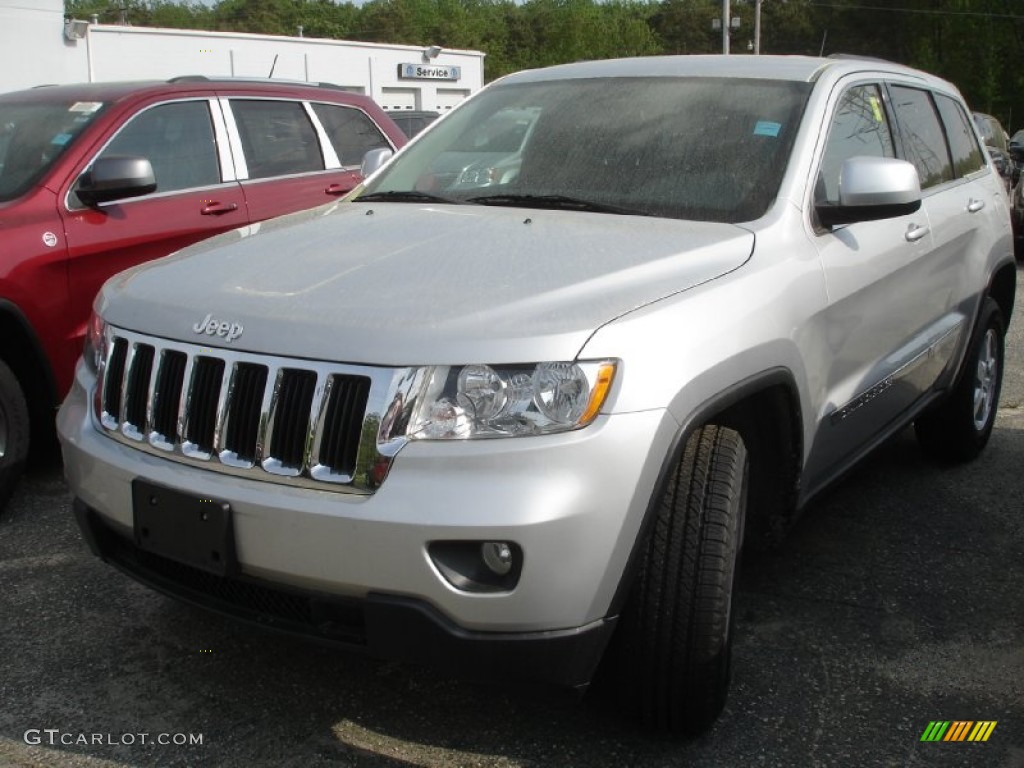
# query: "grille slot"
[[342, 427], [170, 381], [115, 379], [137, 390], [294, 398], [244, 410], [277, 419], [207, 376]]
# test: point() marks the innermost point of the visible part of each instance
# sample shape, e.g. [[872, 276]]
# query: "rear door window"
[[924, 141], [351, 132], [278, 138]]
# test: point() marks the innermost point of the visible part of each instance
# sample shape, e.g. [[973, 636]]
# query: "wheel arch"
[[1003, 288], [754, 407], [23, 354]]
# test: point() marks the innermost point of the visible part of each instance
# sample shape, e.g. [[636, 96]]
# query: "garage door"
[[399, 98], [449, 97]]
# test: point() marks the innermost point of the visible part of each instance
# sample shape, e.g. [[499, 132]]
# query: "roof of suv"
[[115, 91], [798, 68]]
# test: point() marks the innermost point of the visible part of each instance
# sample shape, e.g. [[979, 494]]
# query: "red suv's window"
[[277, 137], [352, 133], [33, 136], [177, 138]]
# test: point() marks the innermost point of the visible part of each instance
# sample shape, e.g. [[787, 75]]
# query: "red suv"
[[96, 178]]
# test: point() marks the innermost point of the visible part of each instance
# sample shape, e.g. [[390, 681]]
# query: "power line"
[[928, 12]]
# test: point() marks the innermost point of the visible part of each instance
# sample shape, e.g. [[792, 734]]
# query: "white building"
[[38, 47]]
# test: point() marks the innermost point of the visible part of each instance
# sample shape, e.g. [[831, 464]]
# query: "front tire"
[[958, 429], [14, 432], [673, 645]]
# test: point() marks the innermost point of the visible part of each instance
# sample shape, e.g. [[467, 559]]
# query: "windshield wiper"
[[406, 196], [555, 202]]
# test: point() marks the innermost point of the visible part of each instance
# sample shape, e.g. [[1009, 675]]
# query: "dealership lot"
[[896, 601]]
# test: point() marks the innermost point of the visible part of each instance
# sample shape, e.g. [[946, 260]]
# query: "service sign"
[[428, 72]]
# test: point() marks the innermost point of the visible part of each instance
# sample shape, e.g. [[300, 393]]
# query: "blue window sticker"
[[61, 139], [767, 128]]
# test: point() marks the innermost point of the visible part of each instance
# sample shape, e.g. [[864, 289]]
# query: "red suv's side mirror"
[[114, 177]]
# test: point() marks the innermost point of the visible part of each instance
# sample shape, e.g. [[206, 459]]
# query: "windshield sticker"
[[876, 108], [85, 106], [61, 139], [767, 128]]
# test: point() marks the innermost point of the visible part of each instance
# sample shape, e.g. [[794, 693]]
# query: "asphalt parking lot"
[[897, 600]]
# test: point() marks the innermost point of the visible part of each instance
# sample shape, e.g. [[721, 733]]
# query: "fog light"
[[478, 566], [497, 556]]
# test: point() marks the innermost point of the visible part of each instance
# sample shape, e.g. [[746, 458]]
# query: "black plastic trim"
[[381, 625]]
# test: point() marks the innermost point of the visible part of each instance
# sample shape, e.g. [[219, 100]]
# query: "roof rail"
[[271, 80], [859, 57]]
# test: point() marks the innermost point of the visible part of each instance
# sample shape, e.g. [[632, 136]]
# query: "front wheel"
[[14, 432], [958, 429], [672, 647]]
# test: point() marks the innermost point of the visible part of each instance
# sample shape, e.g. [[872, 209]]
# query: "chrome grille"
[[273, 418]]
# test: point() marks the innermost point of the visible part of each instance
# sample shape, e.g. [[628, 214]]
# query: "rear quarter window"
[[963, 144], [351, 132]]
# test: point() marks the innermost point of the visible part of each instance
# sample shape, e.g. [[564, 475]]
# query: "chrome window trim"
[[154, 195], [331, 160]]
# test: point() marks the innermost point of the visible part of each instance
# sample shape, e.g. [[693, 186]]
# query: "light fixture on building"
[[75, 29], [431, 52]]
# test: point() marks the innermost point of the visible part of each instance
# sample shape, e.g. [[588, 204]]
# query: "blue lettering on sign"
[[428, 72]]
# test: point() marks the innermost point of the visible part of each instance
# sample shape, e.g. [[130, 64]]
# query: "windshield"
[[32, 137], [709, 149]]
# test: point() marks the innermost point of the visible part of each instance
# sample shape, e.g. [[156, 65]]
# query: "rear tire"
[[958, 429], [14, 433], [672, 647]]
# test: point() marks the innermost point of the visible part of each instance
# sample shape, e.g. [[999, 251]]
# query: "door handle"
[[216, 209], [915, 233], [336, 189], [973, 206]]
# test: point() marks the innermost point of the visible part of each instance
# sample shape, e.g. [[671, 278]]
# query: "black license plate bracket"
[[184, 527]]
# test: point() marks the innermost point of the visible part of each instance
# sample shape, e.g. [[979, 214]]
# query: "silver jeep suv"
[[522, 427]]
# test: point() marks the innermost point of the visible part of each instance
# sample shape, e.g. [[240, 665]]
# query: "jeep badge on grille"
[[213, 327]]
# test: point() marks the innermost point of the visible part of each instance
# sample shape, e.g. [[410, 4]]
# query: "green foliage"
[[978, 44]]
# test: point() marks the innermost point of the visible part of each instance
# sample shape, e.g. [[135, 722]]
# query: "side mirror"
[[872, 188], [114, 177], [374, 160], [1000, 160]]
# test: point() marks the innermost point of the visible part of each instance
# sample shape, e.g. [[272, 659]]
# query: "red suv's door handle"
[[336, 189], [216, 209]]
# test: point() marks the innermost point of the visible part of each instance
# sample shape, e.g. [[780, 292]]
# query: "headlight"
[[94, 349], [472, 401]]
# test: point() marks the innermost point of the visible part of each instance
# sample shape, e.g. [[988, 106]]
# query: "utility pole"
[[725, 26], [757, 27]]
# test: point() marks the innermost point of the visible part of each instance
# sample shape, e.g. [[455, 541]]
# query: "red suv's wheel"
[[14, 432]]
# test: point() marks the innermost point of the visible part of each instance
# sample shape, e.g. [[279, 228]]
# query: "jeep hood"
[[404, 284]]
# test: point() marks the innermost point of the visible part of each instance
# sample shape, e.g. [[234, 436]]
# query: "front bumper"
[[356, 569], [385, 626]]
